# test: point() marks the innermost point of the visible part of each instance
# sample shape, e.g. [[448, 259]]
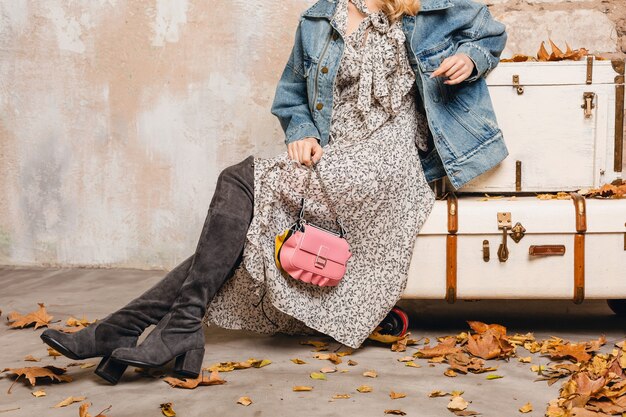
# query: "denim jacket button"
[[319, 106], [324, 70]]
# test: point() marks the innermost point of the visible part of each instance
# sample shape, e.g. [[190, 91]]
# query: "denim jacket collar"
[[326, 8]]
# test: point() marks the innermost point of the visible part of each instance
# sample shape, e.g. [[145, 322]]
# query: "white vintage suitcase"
[[563, 123], [557, 249]]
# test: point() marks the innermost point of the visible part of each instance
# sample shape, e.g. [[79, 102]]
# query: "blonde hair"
[[394, 9]]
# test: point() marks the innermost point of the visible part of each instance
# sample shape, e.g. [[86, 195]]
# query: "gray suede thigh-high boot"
[[179, 334], [121, 328]]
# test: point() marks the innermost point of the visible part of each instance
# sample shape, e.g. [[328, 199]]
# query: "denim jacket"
[[464, 137]]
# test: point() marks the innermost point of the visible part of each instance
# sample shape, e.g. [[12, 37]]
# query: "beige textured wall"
[[117, 116]]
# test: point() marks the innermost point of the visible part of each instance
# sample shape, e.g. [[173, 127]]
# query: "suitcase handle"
[[546, 250]]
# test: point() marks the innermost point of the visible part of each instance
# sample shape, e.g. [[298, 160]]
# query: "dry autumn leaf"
[[364, 388], [318, 375], [68, 401], [442, 349], [371, 373], [318, 344], [167, 409], [526, 408], [333, 357], [31, 358], [231, 366], [395, 395], [39, 393], [341, 396], [395, 412], [244, 401], [302, 388], [383, 338], [202, 379], [53, 353], [38, 318], [298, 361], [457, 403], [33, 372], [74, 322]]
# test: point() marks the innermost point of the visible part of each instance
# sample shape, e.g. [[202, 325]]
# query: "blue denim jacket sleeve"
[[290, 103], [481, 37]]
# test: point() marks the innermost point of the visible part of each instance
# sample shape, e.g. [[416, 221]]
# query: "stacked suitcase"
[[494, 238]]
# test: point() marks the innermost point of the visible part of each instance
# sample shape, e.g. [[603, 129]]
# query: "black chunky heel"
[[189, 364], [110, 370]]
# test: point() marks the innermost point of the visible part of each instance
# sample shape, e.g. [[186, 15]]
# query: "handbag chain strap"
[[331, 207]]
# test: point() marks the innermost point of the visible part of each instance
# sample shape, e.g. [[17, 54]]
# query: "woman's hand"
[[456, 67], [306, 151]]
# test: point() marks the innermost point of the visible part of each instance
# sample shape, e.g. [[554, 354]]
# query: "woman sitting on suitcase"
[[372, 96]]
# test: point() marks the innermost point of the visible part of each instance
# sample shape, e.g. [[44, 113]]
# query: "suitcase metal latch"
[[518, 88], [504, 223], [588, 104]]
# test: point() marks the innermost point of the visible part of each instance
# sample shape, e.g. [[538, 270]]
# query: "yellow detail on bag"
[[280, 239]]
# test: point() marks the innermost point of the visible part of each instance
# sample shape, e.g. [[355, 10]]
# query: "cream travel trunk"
[[563, 123]]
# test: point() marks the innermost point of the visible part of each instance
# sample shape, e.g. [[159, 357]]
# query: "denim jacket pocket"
[[430, 59], [474, 122]]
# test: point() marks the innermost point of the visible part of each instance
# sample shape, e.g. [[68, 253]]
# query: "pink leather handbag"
[[311, 253]]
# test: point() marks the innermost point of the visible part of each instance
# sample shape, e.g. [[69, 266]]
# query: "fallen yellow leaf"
[[526, 408], [244, 401], [69, 400], [396, 395]]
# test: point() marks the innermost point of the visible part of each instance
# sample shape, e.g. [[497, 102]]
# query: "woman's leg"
[[121, 328], [179, 334]]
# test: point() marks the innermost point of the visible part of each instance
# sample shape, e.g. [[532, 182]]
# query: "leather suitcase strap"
[[451, 248], [579, 247]]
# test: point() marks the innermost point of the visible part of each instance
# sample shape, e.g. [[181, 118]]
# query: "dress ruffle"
[[384, 81]]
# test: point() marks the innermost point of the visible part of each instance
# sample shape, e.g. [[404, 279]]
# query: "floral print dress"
[[373, 174]]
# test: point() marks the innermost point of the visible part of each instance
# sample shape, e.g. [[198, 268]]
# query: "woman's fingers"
[[305, 153], [317, 153]]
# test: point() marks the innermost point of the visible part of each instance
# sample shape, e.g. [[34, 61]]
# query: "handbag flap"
[[317, 241]]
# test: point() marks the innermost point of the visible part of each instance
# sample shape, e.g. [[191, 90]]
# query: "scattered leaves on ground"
[[202, 379], [38, 318], [231, 366]]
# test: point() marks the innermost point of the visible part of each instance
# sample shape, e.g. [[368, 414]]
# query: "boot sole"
[[185, 364]]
